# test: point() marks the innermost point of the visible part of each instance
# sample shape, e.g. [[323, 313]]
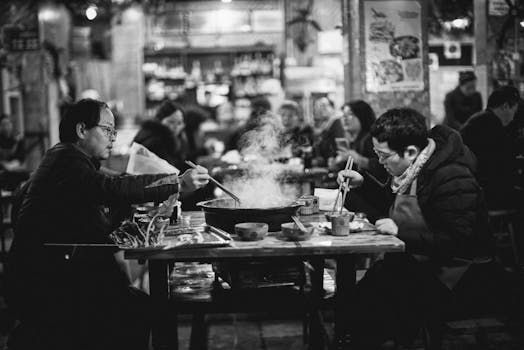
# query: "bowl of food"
[[292, 232], [251, 231]]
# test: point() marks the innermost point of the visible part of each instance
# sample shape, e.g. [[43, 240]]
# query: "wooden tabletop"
[[274, 246]]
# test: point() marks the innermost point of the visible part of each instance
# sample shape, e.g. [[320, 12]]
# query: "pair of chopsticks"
[[349, 166], [299, 224], [222, 187]]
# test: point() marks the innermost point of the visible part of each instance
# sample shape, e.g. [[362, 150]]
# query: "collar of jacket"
[[449, 150], [69, 145]]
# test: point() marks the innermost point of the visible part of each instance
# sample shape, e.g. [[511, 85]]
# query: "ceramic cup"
[[340, 224]]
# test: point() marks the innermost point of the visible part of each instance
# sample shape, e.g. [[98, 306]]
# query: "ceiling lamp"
[[91, 12]]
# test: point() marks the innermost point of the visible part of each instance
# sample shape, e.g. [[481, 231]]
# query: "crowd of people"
[[430, 187]]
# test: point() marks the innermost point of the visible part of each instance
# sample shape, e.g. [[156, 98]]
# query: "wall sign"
[[20, 39], [393, 51]]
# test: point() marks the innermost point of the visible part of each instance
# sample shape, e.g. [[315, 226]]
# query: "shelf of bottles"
[[251, 71], [239, 73]]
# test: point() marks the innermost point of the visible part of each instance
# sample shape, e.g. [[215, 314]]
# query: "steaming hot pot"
[[223, 213]]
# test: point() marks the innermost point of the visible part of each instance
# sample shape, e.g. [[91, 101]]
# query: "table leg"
[[346, 283], [164, 327], [316, 339]]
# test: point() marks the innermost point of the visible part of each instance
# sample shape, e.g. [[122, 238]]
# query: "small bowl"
[[293, 233], [251, 231]]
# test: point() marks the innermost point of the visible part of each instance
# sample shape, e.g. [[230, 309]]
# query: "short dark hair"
[[401, 127], [167, 108], [85, 111], [466, 77], [505, 94]]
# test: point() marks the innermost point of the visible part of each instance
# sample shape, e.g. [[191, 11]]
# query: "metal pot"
[[223, 214]]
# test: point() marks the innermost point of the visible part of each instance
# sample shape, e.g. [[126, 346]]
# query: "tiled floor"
[[240, 333]]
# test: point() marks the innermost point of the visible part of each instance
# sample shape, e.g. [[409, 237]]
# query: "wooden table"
[[342, 249]]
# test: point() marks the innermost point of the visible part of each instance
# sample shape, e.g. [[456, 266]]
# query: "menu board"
[[393, 37]]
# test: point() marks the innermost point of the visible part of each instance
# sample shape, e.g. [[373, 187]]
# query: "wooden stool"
[[501, 222]]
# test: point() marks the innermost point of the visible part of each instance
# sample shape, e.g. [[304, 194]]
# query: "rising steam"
[[261, 185]]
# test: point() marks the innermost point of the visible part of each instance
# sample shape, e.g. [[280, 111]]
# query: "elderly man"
[[74, 297], [437, 209]]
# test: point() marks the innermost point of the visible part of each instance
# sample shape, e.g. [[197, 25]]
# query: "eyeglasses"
[[109, 131], [383, 156]]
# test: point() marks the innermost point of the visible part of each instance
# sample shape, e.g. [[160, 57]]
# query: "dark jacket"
[[460, 107], [515, 130], [487, 138], [159, 139], [11, 148], [325, 146], [297, 138], [451, 202], [65, 203]]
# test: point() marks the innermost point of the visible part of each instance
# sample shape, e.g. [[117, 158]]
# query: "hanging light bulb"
[[91, 12]]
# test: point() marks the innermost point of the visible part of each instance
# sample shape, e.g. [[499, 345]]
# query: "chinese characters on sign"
[[393, 37], [17, 39]]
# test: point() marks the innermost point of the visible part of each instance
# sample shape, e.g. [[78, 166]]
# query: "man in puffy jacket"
[[73, 297], [436, 207]]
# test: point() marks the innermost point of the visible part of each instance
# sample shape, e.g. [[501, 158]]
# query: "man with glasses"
[[80, 298], [436, 207]]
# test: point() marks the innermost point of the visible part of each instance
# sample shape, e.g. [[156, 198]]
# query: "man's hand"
[[354, 178], [387, 226], [193, 179]]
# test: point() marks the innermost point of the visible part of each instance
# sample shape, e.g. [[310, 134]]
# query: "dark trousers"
[[118, 319], [78, 308], [394, 299]]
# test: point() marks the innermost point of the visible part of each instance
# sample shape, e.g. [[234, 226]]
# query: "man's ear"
[[411, 152], [81, 130]]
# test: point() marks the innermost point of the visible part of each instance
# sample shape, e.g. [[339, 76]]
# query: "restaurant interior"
[[267, 120]]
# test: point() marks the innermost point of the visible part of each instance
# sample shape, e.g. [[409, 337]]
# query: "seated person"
[[487, 136], [328, 127], [463, 101], [297, 134], [12, 155], [165, 135], [75, 297], [437, 209], [259, 106], [357, 120]]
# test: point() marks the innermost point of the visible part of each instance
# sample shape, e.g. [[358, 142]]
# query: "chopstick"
[[350, 160], [299, 224], [346, 188], [222, 187]]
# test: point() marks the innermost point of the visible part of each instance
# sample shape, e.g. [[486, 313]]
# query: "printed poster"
[[393, 37]]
